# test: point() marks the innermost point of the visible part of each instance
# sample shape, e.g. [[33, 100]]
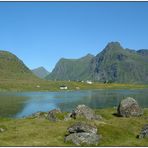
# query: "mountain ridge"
[[11, 67], [113, 64]]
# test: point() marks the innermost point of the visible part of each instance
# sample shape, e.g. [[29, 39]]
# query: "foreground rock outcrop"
[[54, 115], [81, 133], [129, 107], [38, 115], [86, 112], [144, 132]]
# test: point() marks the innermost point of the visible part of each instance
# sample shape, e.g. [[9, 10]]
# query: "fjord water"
[[20, 104]]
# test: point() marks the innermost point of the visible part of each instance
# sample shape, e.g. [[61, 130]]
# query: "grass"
[[115, 131], [31, 85]]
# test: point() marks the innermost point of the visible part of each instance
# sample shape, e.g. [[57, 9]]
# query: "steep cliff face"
[[120, 65]]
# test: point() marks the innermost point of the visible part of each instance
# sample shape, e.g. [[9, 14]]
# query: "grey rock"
[[83, 138], [144, 132], [82, 133], [2, 129], [82, 127], [129, 107], [52, 115], [88, 113], [38, 115], [67, 117]]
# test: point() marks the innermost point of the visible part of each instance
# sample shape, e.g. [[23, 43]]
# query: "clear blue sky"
[[40, 33]]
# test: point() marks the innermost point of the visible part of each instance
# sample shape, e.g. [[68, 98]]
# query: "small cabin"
[[63, 87], [89, 82]]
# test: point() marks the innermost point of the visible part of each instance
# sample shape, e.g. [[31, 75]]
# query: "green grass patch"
[[115, 131], [32, 85]]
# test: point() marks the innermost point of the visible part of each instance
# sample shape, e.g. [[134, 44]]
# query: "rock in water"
[[81, 133], [129, 107], [144, 132], [88, 113]]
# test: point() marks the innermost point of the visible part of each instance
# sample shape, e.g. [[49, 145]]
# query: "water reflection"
[[26, 103]]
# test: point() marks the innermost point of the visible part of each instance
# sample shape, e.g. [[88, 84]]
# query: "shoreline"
[[115, 131], [53, 86]]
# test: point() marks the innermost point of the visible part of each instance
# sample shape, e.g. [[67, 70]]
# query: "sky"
[[40, 33]]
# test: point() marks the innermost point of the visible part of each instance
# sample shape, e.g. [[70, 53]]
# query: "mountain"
[[40, 72], [117, 64], [72, 69], [11, 67], [113, 64]]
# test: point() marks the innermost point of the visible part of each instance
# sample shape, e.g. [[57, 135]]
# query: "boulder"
[[82, 133], [85, 111], [82, 127], [129, 107], [2, 129], [144, 132], [67, 117], [54, 115], [83, 138], [38, 115]]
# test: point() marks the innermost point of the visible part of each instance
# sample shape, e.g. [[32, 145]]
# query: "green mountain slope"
[[40, 72], [113, 64], [72, 69], [12, 68], [120, 65]]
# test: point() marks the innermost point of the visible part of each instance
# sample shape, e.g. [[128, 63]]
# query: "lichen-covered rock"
[[129, 107], [83, 138], [144, 132], [54, 115], [85, 111], [82, 127], [82, 133]]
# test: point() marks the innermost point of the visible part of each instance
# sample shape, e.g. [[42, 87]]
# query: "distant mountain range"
[[40, 72], [113, 64]]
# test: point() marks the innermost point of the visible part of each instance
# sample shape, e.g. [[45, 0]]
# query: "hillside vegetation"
[[12, 68], [72, 69], [16, 76], [113, 64]]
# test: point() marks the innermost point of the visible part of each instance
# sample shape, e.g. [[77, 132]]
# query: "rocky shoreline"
[[82, 133]]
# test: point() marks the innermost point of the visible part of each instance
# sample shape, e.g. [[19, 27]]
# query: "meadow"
[[115, 131], [46, 85]]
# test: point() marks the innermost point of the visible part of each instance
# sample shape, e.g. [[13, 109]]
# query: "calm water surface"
[[22, 104]]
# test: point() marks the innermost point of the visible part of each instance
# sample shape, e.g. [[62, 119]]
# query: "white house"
[[88, 82], [63, 87]]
